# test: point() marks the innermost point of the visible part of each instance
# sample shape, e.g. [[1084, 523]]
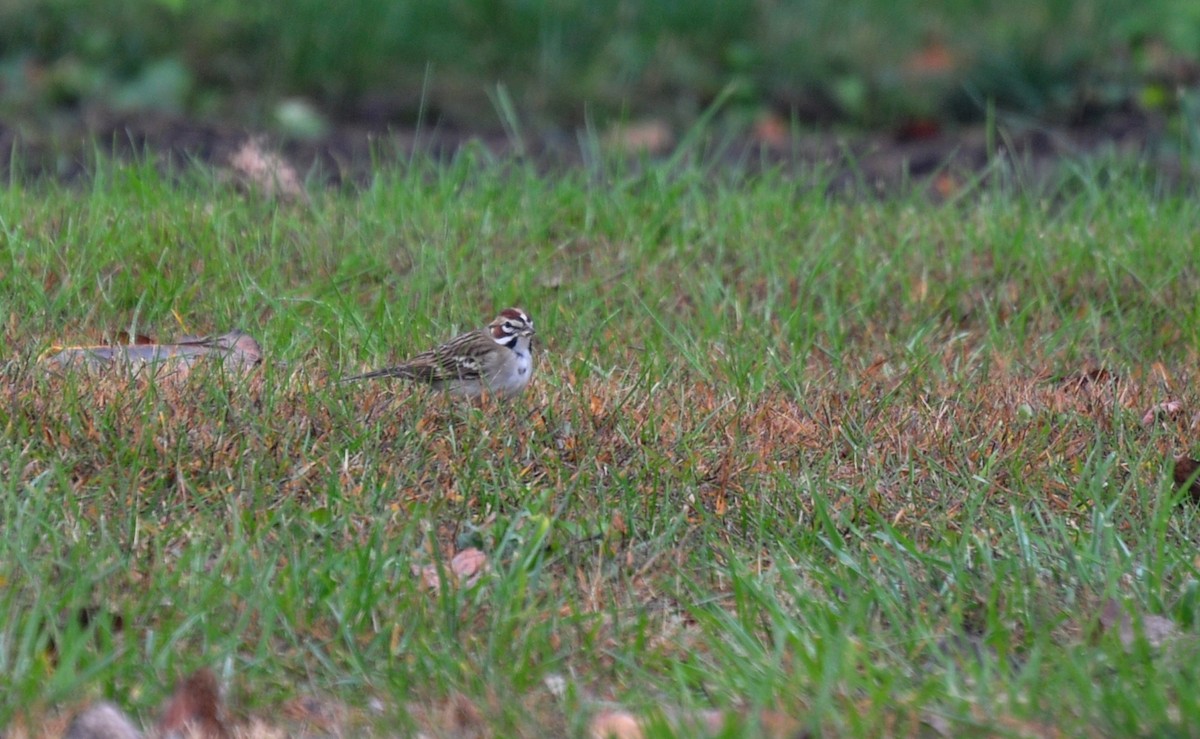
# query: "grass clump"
[[860, 466]]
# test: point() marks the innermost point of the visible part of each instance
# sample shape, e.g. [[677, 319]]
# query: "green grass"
[[832, 458], [574, 62]]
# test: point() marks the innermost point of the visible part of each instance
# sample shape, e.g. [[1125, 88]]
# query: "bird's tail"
[[385, 372]]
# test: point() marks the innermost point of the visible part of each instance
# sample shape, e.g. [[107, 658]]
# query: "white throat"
[[524, 355]]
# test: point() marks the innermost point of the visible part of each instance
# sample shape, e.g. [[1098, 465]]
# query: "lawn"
[[788, 461], [563, 65]]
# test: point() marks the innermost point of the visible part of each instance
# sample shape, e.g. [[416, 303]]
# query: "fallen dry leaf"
[[194, 710], [1090, 377], [236, 350], [1184, 473], [921, 129], [318, 713], [771, 724], [468, 563], [945, 185], [1166, 409], [933, 59], [556, 684], [259, 729], [462, 718], [615, 724], [771, 130], [650, 136], [266, 171], [465, 568], [1157, 630], [713, 720]]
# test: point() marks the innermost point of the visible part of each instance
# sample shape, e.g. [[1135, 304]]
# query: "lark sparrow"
[[498, 359]]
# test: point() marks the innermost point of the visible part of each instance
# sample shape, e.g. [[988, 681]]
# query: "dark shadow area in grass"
[[942, 161]]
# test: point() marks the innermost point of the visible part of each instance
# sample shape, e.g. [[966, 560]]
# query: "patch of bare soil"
[[941, 159]]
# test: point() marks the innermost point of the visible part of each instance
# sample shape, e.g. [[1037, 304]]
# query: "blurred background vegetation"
[[562, 63]]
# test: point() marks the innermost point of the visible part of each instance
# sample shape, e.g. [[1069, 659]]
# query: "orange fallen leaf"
[[771, 130], [945, 185], [617, 525], [934, 58]]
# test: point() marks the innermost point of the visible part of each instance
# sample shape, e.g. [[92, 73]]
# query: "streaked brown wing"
[[452, 361], [448, 364]]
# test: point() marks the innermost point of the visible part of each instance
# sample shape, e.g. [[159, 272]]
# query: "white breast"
[[514, 376]]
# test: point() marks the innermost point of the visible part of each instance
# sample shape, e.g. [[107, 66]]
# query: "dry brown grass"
[[904, 440]]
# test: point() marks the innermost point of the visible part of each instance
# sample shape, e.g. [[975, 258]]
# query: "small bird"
[[498, 359]]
